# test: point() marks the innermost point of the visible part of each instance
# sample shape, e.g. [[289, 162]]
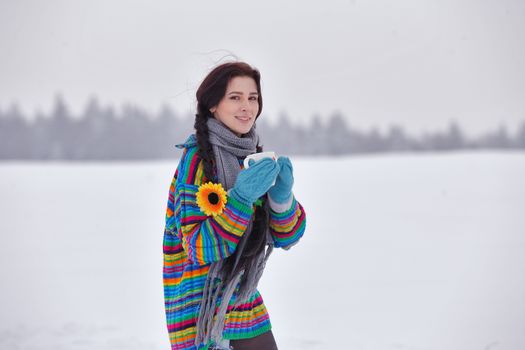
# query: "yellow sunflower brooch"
[[211, 198]]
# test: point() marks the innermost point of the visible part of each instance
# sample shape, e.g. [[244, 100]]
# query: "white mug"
[[258, 156]]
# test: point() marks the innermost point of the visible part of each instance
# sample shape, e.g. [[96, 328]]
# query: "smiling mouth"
[[244, 119]]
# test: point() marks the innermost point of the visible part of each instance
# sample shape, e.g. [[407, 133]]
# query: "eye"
[[234, 97], [254, 98]]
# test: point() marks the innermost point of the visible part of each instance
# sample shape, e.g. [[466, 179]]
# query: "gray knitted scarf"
[[218, 288]]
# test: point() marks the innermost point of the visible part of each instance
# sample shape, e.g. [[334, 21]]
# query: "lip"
[[243, 119]]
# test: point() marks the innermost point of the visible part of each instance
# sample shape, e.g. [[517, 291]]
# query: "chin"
[[243, 131]]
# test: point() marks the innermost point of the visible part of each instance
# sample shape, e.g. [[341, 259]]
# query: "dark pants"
[[265, 341]]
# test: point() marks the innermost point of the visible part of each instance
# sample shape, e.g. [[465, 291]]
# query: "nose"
[[245, 105]]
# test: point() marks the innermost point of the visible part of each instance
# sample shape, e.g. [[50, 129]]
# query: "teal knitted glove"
[[253, 182], [282, 190]]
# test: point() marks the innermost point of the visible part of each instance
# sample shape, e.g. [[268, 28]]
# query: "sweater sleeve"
[[205, 239], [288, 227]]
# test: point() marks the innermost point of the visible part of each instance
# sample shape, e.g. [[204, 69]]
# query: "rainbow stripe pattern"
[[192, 241]]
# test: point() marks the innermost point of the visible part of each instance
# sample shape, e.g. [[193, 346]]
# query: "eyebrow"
[[240, 93]]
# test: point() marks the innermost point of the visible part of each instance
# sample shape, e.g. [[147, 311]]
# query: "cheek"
[[230, 107]]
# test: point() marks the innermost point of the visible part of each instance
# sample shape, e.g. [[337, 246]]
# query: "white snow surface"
[[401, 251]]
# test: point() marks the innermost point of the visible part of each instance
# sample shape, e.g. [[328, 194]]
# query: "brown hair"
[[209, 94]]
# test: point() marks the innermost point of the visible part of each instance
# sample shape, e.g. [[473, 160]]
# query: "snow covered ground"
[[416, 252]]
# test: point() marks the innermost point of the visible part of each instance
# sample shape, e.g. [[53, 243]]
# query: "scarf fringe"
[[211, 321]]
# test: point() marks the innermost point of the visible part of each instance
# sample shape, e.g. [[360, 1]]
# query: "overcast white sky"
[[419, 63]]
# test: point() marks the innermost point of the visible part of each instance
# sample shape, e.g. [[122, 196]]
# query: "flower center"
[[213, 198]]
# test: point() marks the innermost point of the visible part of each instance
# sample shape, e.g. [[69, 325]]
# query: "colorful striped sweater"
[[192, 241]]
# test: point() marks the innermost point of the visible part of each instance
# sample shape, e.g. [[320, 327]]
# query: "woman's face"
[[239, 106]]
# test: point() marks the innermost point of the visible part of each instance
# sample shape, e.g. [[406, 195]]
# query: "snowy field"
[[415, 252]]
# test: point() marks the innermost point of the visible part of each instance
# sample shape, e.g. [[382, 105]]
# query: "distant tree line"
[[101, 133]]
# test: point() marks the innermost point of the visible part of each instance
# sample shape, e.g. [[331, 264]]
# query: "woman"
[[223, 220]]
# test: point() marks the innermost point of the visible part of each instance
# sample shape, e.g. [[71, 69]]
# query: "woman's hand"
[[282, 190], [253, 182]]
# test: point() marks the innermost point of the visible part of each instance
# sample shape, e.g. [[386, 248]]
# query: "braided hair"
[[209, 94]]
